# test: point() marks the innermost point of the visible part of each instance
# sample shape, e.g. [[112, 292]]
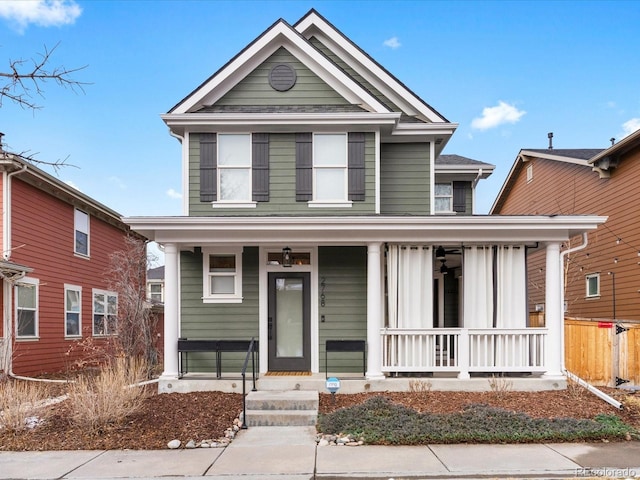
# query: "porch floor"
[[354, 383]]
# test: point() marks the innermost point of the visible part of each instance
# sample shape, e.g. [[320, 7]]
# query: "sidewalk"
[[291, 453]]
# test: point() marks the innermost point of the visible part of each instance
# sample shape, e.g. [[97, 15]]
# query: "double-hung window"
[[593, 285], [105, 311], [234, 167], [26, 298], [222, 275], [72, 311], [81, 236], [330, 167], [443, 197]]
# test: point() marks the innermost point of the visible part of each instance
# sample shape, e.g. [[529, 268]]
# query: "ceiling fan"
[[441, 254]]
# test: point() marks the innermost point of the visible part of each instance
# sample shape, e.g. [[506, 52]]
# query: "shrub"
[[108, 397], [378, 421], [20, 400]]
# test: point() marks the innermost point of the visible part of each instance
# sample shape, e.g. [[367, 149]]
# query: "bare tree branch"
[[26, 78]]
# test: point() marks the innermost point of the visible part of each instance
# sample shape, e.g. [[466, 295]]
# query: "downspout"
[[474, 184], [598, 393]]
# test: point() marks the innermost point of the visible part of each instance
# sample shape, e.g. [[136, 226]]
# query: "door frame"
[[290, 363], [263, 300]]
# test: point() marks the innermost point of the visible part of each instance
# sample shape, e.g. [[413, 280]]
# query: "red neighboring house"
[[56, 244]]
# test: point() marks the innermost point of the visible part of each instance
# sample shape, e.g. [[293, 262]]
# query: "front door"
[[289, 321]]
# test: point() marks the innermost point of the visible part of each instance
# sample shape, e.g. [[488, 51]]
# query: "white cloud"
[[72, 185], [171, 193], [117, 182], [44, 13], [631, 126], [392, 42], [495, 116]]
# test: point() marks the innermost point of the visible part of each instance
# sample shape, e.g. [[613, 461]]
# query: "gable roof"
[[409, 116], [575, 156], [458, 164], [623, 146]]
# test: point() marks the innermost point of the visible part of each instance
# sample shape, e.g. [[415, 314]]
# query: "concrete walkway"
[[291, 453]]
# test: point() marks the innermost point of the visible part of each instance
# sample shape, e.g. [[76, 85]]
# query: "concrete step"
[[282, 408]]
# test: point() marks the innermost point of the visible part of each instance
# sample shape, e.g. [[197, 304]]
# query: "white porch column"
[[554, 311], [374, 311], [171, 314]]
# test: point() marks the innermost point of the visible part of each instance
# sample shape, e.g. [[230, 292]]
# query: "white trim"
[[228, 204], [432, 177], [29, 283], [281, 34], [77, 229], [377, 171], [73, 288], [328, 204], [236, 296], [587, 277], [106, 294]]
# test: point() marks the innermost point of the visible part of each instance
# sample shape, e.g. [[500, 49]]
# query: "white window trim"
[[75, 288], [106, 293], [234, 203], [529, 173], [450, 197], [34, 283], [207, 296], [587, 278], [151, 283], [76, 229], [344, 202]]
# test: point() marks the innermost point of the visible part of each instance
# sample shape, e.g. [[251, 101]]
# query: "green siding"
[[355, 75], [282, 183], [218, 321], [344, 272], [404, 179], [309, 89]]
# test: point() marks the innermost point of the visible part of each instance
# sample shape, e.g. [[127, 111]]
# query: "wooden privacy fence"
[[603, 352]]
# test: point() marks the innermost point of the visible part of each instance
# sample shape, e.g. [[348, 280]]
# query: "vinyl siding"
[[43, 227], [309, 89], [567, 189], [344, 272], [404, 179], [282, 183], [231, 321]]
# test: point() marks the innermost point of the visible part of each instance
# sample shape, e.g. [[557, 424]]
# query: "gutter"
[[598, 393], [474, 184]]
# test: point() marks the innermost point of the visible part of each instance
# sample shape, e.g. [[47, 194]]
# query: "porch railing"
[[463, 350]]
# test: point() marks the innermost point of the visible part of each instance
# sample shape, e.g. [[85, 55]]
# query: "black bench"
[[345, 346], [186, 345]]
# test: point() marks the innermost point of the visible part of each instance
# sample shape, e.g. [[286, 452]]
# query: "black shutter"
[[304, 167], [460, 196], [356, 167], [208, 165], [260, 167]]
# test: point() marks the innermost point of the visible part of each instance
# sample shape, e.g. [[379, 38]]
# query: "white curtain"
[[511, 308], [410, 280], [477, 277]]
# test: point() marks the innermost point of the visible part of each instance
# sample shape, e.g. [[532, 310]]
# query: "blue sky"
[[507, 72]]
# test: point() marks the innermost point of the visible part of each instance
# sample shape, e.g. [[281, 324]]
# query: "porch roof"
[[359, 230]]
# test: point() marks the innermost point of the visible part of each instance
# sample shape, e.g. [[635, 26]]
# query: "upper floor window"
[[330, 167], [155, 291], [529, 173], [222, 275], [72, 311], [443, 197], [81, 222], [26, 298], [105, 311], [593, 285], [234, 167]]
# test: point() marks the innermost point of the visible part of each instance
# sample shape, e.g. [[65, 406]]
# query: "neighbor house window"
[[529, 173], [156, 292], [81, 233], [105, 311], [443, 197], [234, 167], [222, 275], [330, 167], [26, 298], [72, 311], [593, 285]]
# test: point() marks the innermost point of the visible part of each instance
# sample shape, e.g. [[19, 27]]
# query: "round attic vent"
[[282, 77]]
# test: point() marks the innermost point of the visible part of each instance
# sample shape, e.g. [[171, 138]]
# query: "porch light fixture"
[[440, 253], [286, 257]]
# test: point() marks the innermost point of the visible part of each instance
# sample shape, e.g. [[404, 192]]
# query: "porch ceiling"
[[361, 230]]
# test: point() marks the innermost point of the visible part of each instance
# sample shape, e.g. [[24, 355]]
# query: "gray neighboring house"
[[319, 209]]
